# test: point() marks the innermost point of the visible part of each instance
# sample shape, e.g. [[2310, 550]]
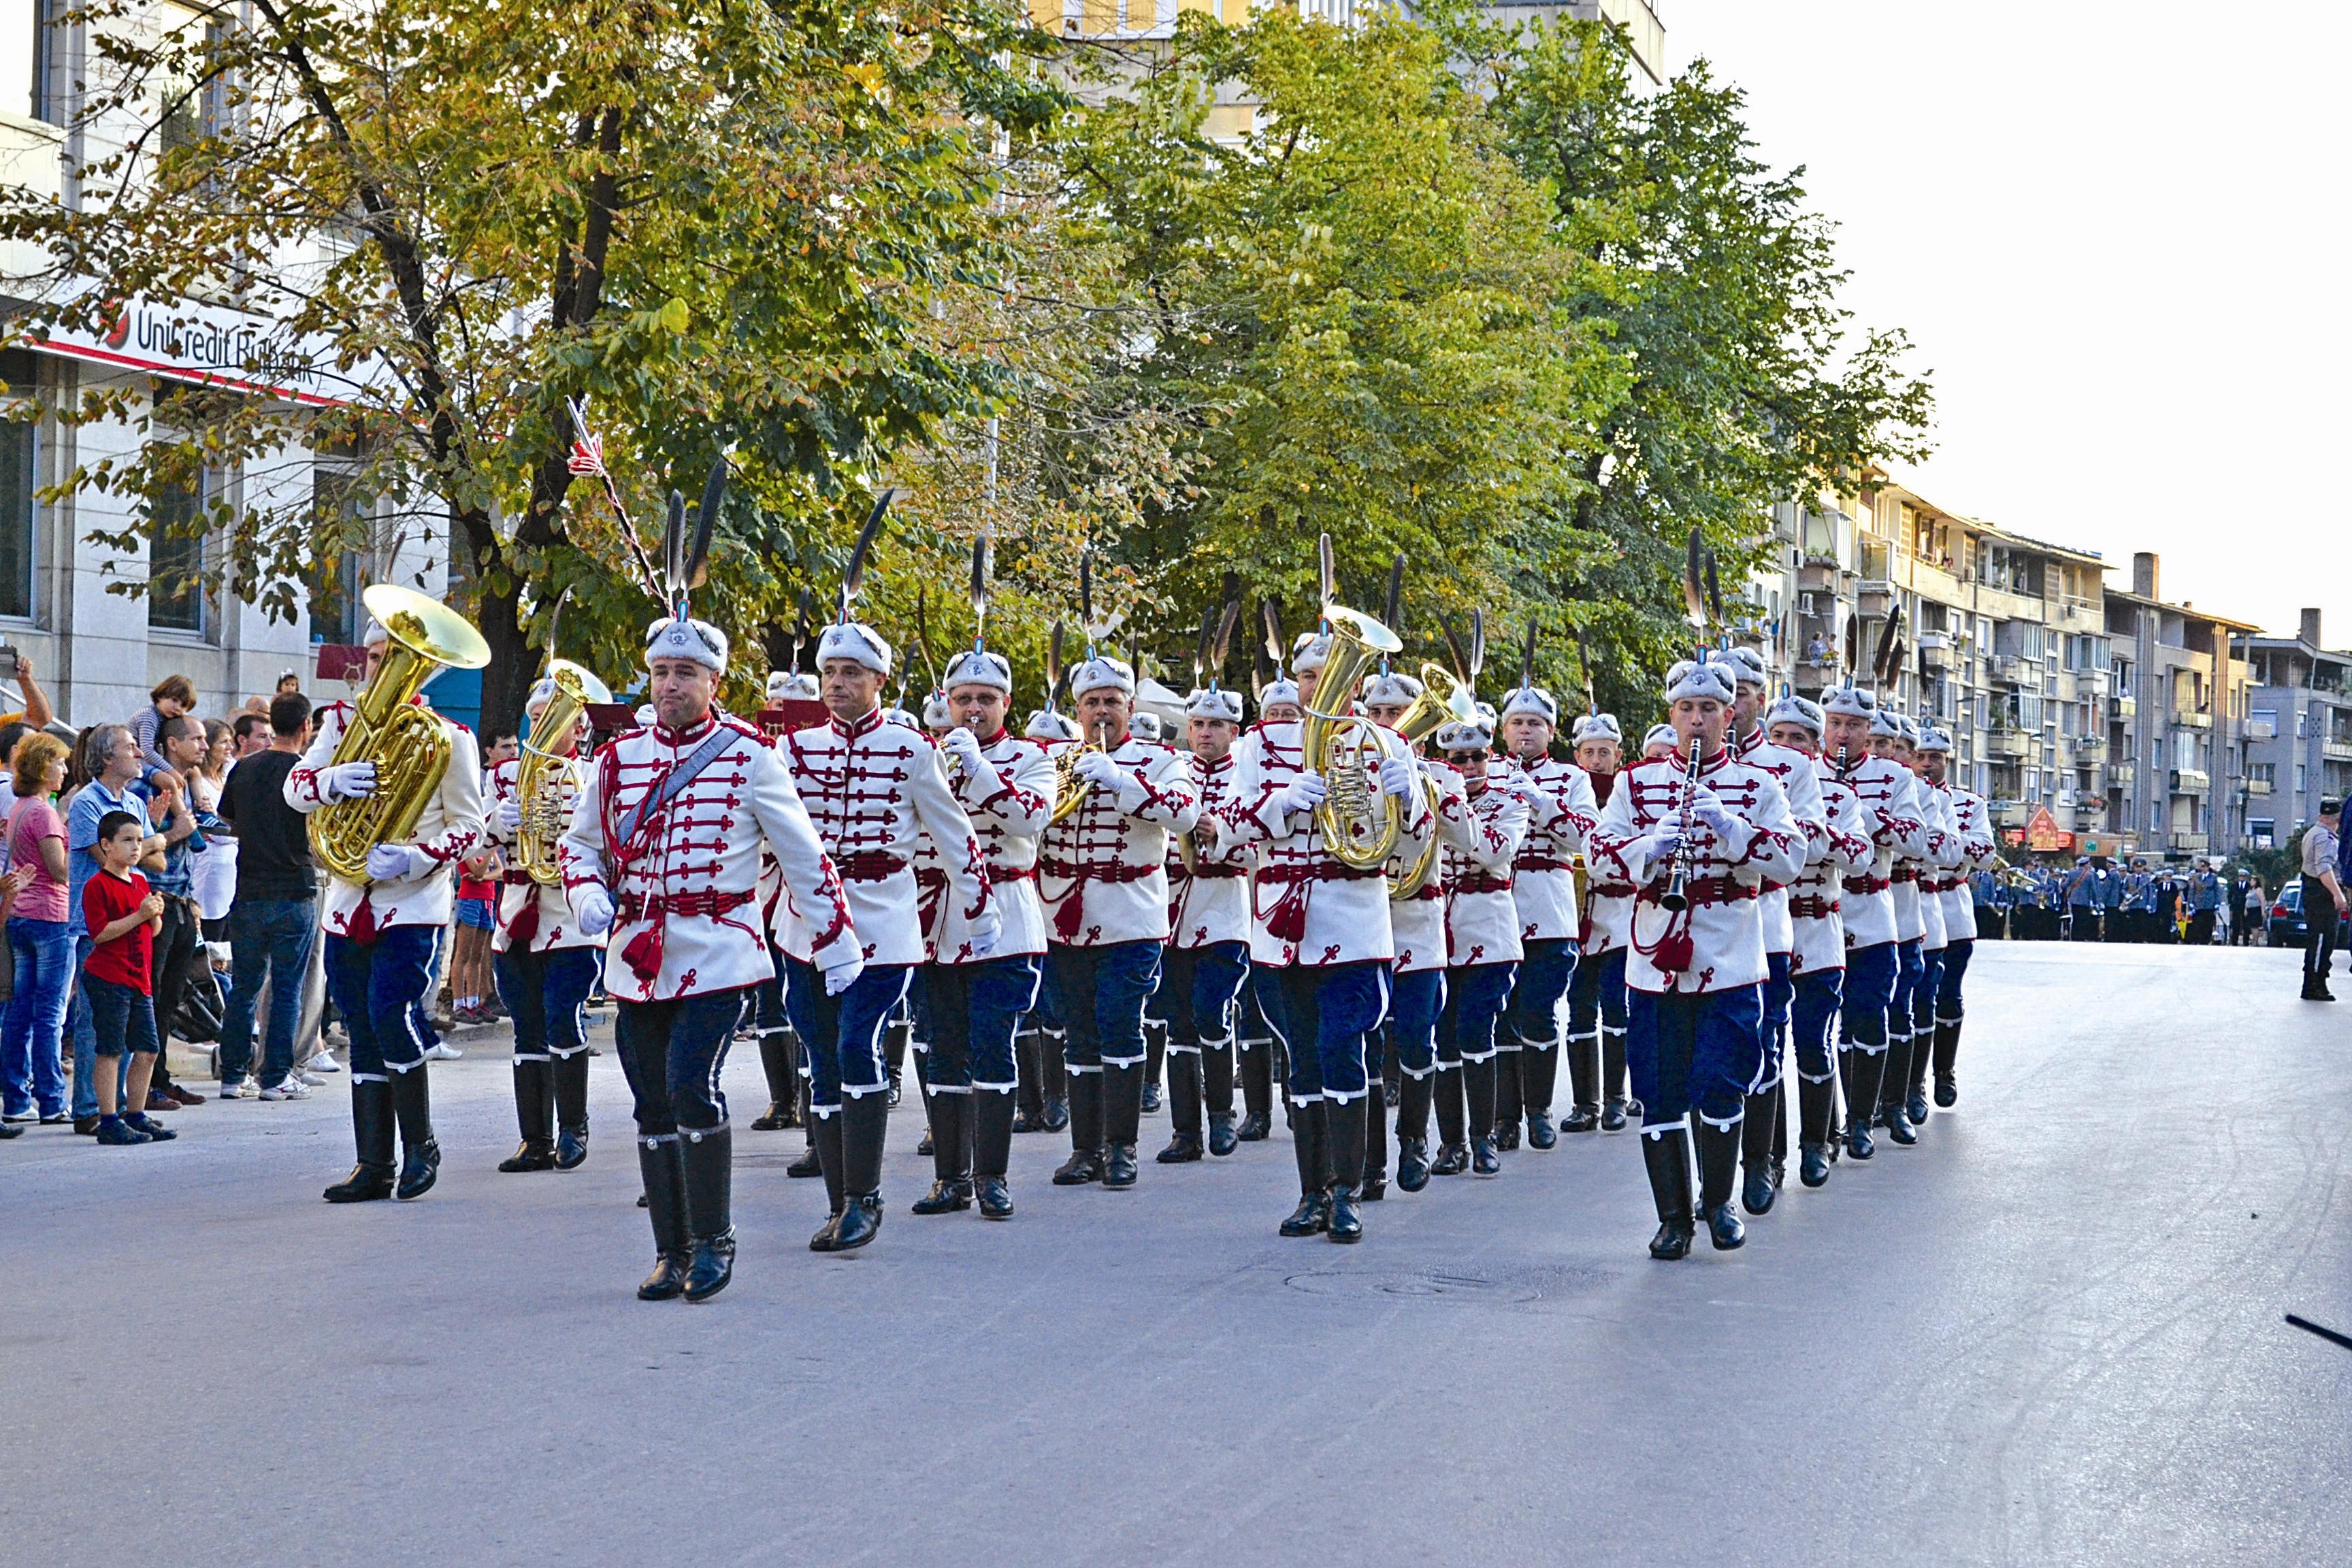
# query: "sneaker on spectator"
[[323, 1062], [237, 1089], [25, 1115], [304, 1076], [156, 1132], [443, 1051], [114, 1130], [292, 1088]]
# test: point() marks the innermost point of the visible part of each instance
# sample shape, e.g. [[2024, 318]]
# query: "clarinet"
[[1675, 898]]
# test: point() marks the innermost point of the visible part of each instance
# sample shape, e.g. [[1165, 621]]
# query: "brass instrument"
[[540, 779], [1359, 824], [1070, 791], [409, 745], [1443, 700]]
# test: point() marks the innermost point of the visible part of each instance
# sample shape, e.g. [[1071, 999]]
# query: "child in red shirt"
[[120, 916]]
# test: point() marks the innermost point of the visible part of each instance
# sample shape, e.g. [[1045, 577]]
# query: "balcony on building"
[[2123, 710], [2258, 787], [2011, 744], [2337, 751], [2090, 751], [2191, 719], [2191, 781], [2012, 813], [2120, 775], [2192, 843]]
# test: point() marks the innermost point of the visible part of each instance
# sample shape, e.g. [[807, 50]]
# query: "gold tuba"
[[1444, 700], [408, 744], [546, 766], [1359, 824]]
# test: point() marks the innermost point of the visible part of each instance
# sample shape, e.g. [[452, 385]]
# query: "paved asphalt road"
[[2050, 1334]]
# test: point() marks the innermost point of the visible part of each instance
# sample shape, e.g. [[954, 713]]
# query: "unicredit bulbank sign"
[[210, 346]]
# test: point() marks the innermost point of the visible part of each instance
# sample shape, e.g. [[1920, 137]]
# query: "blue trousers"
[[1948, 1007], [1199, 991], [1779, 993], [1101, 992], [1325, 1017], [1476, 995], [973, 1010], [841, 1036], [1416, 998], [673, 1053], [1813, 1014], [1869, 988], [1695, 1051], [1907, 968], [1545, 974], [1596, 996], [269, 942], [1924, 992], [379, 987], [546, 995], [30, 1075]]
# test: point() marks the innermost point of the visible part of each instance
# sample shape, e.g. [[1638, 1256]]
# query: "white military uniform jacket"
[[1722, 924], [1481, 836], [1972, 827], [1802, 786], [447, 832], [1842, 849], [1608, 902], [1210, 901], [1560, 810], [685, 879], [873, 789], [1884, 793], [1943, 854], [1102, 871], [1417, 925], [1007, 806], [1309, 908], [536, 914]]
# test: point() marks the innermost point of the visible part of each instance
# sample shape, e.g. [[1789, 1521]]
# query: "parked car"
[[2286, 926]]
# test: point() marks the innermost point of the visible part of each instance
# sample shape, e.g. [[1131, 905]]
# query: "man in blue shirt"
[[116, 788]]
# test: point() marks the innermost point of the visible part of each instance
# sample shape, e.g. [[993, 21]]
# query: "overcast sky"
[[2115, 232]]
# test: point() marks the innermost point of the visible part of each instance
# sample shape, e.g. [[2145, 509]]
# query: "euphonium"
[[1444, 700], [408, 744], [546, 766], [1359, 824], [1070, 791]]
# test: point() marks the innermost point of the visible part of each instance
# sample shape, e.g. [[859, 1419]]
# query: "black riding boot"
[[570, 1076], [1583, 1084], [1616, 1104], [1718, 1169], [1122, 1116], [865, 1120], [662, 1167], [824, 1143], [896, 1036], [1183, 1108], [1413, 1131], [950, 1156], [1814, 1108], [1051, 1047], [1254, 1067], [535, 1115], [1759, 1180], [371, 1177], [992, 1152], [1344, 1138], [1478, 1087], [1314, 1211], [1539, 1081], [1924, 1046], [1453, 1143], [1894, 1075], [1373, 1126], [710, 1192], [1505, 1126], [1155, 1056], [810, 1161], [1667, 1155], [1861, 1070], [1029, 1073], [1086, 1161], [1948, 1051], [783, 1082], [1217, 1091], [420, 1156]]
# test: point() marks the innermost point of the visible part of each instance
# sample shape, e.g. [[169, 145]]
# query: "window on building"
[[176, 558], [18, 456], [2263, 830], [338, 560], [2264, 773], [2302, 782]]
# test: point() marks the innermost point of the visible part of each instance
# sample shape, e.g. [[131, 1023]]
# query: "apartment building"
[[2298, 734], [2178, 728]]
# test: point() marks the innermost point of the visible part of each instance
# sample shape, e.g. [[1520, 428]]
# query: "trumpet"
[[1070, 791], [546, 766]]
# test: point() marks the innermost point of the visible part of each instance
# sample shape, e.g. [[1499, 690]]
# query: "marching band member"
[[664, 855], [383, 932], [1891, 737], [1950, 858], [1560, 810], [1596, 991], [1817, 960], [1866, 904], [1254, 1041], [874, 787], [1417, 975], [1320, 944], [1005, 785], [1972, 828], [544, 963], [779, 1049], [1709, 833], [1484, 827], [1208, 942], [1044, 1104], [1103, 876]]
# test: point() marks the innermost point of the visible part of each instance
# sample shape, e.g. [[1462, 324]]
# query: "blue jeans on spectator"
[[269, 940], [30, 1073]]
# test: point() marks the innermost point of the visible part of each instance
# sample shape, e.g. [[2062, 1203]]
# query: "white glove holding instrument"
[[1708, 807], [593, 907], [349, 781], [1304, 793], [397, 862], [508, 815], [1097, 769], [1664, 842], [965, 744], [1399, 776]]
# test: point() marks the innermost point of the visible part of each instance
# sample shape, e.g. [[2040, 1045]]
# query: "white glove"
[[593, 907], [965, 744], [396, 862], [1303, 793], [842, 971], [1664, 840], [1708, 807], [983, 939], [1097, 768], [1399, 776], [349, 781], [508, 815]]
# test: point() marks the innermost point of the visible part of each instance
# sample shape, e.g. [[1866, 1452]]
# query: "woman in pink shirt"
[[33, 848]]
